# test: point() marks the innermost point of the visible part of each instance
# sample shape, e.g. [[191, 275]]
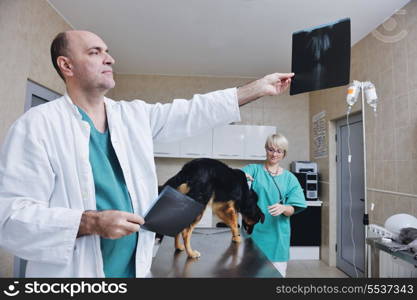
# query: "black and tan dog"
[[209, 180]]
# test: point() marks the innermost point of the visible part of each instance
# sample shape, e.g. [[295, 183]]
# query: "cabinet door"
[[197, 146], [255, 137], [228, 142], [166, 149]]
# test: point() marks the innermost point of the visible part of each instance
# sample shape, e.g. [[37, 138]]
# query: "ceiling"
[[226, 38]]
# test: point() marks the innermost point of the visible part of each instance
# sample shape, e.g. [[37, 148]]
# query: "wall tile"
[[403, 205], [403, 141], [402, 111], [246, 115], [384, 54], [413, 144], [388, 145], [385, 118], [370, 144], [412, 70], [272, 116], [379, 209], [370, 172], [389, 206], [386, 80], [379, 175], [411, 14], [413, 166], [405, 176], [390, 182], [414, 207], [400, 65], [257, 116], [411, 38], [412, 104]]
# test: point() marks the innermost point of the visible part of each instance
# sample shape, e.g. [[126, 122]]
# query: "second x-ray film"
[[172, 212], [321, 57]]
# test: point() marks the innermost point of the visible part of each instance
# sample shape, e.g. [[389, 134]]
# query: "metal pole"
[[364, 174]]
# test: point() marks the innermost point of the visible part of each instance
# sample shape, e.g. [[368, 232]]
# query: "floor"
[[312, 269]]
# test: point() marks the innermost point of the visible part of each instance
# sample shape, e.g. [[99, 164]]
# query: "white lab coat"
[[46, 181]]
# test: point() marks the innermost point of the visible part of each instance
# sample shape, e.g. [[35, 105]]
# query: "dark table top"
[[220, 257], [406, 255]]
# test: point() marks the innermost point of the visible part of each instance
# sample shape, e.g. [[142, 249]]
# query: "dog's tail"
[[175, 181]]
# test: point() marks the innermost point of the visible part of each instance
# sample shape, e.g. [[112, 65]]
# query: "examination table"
[[220, 257]]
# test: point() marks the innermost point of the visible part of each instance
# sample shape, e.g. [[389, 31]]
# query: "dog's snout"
[[248, 227], [262, 217]]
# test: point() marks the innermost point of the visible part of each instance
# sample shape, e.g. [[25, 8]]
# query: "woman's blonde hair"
[[277, 141]]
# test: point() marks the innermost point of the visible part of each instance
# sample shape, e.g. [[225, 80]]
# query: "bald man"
[[77, 173]]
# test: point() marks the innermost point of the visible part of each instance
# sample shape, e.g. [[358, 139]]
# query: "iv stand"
[[371, 99], [365, 196]]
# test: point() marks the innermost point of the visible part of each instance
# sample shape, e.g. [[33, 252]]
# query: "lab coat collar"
[[72, 106], [107, 102]]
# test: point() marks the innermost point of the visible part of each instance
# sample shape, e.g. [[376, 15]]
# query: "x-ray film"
[[172, 212], [321, 57]]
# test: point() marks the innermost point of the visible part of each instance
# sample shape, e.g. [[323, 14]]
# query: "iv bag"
[[370, 95], [352, 93]]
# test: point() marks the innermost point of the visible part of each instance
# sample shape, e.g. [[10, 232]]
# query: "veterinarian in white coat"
[[48, 194]]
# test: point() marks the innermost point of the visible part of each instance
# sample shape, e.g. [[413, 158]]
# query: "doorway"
[[350, 248]]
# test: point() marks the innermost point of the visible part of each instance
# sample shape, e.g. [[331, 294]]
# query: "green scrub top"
[[111, 193], [273, 236]]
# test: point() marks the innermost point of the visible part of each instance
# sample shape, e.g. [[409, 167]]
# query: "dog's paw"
[[194, 254], [237, 239]]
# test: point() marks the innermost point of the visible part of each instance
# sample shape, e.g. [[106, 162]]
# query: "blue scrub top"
[[111, 193]]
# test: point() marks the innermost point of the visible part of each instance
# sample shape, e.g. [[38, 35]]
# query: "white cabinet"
[[197, 146], [166, 149], [241, 141], [255, 137], [228, 142]]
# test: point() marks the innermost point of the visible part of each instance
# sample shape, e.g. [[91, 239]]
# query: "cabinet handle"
[[192, 153], [228, 154], [162, 153]]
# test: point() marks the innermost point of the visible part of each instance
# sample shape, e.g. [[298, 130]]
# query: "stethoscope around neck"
[[281, 199]]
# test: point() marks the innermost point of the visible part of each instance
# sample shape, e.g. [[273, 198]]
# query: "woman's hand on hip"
[[276, 209], [279, 209]]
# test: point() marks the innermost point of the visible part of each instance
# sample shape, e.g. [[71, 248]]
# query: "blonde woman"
[[280, 196]]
